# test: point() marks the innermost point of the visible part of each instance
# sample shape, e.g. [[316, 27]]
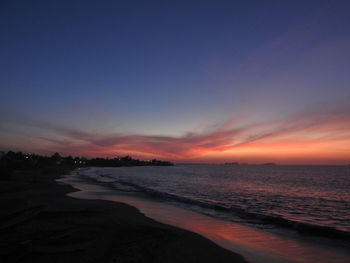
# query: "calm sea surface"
[[313, 199]]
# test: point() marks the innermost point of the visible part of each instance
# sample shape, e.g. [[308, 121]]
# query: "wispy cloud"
[[318, 124], [325, 124]]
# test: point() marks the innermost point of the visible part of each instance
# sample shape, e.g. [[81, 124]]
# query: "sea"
[[309, 204]]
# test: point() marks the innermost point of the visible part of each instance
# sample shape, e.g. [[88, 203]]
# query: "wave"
[[249, 217]]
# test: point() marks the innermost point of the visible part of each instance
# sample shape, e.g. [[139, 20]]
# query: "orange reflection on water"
[[257, 246]]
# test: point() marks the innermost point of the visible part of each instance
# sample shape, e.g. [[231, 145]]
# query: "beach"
[[163, 194], [40, 223]]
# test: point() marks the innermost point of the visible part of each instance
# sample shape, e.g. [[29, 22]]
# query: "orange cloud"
[[317, 136]]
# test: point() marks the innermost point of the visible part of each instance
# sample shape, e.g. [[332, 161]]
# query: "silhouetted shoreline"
[[20, 161]]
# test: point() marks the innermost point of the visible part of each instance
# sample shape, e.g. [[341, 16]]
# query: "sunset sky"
[[186, 81]]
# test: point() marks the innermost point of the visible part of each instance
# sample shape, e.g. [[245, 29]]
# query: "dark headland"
[[40, 223]]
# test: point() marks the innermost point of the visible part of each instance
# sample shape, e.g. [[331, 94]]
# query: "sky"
[[185, 81]]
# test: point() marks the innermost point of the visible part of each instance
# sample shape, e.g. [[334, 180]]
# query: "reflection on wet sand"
[[255, 245]]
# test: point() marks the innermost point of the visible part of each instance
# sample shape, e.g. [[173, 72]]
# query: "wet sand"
[[255, 244], [40, 223]]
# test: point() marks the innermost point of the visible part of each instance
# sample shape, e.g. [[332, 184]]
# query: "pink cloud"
[[308, 126], [314, 127]]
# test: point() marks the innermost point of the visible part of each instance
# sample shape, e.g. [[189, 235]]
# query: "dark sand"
[[39, 223]]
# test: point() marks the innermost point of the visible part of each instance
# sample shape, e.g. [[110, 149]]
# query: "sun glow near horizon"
[[308, 138]]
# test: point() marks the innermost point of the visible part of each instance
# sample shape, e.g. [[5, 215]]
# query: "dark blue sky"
[[165, 67]]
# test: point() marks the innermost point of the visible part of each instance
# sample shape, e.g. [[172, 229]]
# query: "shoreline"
[[40, 223], [256, 245]]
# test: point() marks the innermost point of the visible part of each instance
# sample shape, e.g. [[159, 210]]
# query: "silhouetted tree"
[[17, 160]]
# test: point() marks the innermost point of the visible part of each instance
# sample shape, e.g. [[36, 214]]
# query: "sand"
[[40, 223]]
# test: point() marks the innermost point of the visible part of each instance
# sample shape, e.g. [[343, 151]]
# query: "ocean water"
[[309, 199]]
